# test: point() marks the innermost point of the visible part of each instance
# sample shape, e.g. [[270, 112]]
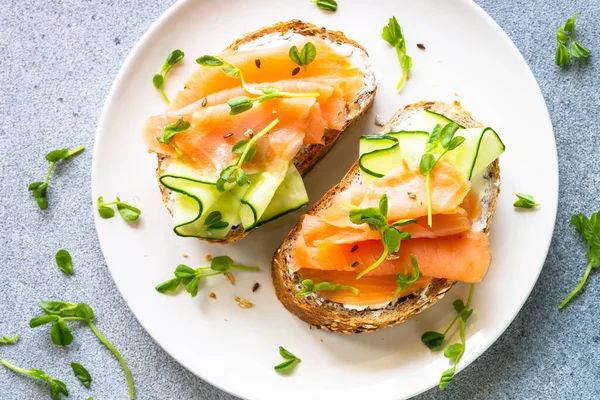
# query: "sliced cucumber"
[[290, 196], [481, 147], [259, 195], [403, 145]]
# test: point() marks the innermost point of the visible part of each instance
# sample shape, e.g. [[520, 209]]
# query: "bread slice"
[[329, 315], [309, 154]]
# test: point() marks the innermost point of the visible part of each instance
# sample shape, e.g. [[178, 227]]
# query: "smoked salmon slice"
[[373, 290], [275, 65], [464, 257]]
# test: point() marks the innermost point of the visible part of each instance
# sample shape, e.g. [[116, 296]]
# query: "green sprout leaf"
[[128, 212], [288, 365], [64, 261], [173, 129], [9, 340], [60, 333], [562, 57], [57, 388], [305, 56], [525, 201], [327, 5], [82, 374], [432, 339]]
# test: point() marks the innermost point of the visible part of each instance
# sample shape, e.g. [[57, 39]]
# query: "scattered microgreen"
[[392, 33], [562, 57], [327, 5], [589, 228], [304, 56], [40, 189], [440, 139], [289, 363], [228, 69], [376, 219], [9, 340], [82, 374], [525, 201], [173, 129], [214, 222], [190, 277], [311, 287], [246, 149], [64, 261], [58, 313], [159, 79], [404, 280], [56, 387], [127, 211], [453, 352]]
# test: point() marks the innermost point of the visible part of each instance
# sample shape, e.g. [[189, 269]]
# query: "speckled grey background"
[[57, 62]]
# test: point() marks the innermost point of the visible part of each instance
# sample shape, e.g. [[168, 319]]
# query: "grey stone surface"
[[57, 62]]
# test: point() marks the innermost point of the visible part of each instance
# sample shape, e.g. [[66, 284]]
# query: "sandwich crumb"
[[230, 277], [225, 319], [184, 255], [322, 341], [457, 103], [255, 287], [379, 120], [295, 71], [243, 303], [208, 257], [212, 295], [421, 46], [249, 133], [455, 94], [411, 195]]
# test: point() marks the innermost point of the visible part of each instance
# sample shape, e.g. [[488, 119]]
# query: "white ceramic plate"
[[468, 58]]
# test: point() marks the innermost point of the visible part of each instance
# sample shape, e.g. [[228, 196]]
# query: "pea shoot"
[[241, 104], [311, 287], [453, 352], [327, 5], [173, 129], [289, 363], [589, 228], [127, 211], [9, 340], [405, 280], [305, 56], [525, 201], [190, 277], [82, 374], [64, 261], [246, 148], [58, 313], [562, 57], [40, 189], [440, 138], [392, 33], [57, 388], [376, 219], [159, 79]]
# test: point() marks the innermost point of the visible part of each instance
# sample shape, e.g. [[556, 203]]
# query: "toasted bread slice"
[[329, 315], [309, 154]]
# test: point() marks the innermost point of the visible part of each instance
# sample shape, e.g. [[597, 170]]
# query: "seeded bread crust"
[[309, 154], [325, 314]]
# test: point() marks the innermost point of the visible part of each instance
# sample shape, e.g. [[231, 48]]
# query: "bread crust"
[[332, 316], [309, 154]]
